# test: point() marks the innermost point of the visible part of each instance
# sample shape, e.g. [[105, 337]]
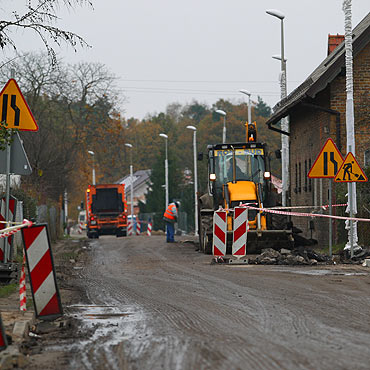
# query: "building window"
[[296, 178], [305, 175], [367, 158], [309, 180], [299, 177]]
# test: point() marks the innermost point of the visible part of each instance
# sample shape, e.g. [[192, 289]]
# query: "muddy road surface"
[[164, 306]]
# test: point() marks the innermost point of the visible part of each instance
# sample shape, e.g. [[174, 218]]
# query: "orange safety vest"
[[171, 212]]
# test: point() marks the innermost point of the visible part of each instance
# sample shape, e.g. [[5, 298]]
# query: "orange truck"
[[106, 210]]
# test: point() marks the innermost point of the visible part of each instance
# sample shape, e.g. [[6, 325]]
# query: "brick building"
[[316, 111]]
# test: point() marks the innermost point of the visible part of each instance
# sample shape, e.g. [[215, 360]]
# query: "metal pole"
[[224, 132], [330, 220], [351, 216], [284, 125], [195, 183], [93, 171], [132, 191], [166, 174], [7, 198], [350, 120], [7, 190], [351, 201], [249, 110], [66, 211]]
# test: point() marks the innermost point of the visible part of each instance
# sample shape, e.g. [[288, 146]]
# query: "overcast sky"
[[167, 51]]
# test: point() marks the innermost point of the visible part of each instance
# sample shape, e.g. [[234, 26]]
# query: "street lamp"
[[131, 183], [222, 113], [93, 171], [166, 167], [278, 57], [246, 92], [194, 129], [284, 121]]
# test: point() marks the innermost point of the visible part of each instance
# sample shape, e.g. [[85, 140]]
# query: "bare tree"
[[40, 16]]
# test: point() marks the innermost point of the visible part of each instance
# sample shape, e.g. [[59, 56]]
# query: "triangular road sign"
[[350, 171], [14, 109], [327, 163]]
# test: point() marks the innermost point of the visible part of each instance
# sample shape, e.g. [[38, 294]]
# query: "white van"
[[82, 219]]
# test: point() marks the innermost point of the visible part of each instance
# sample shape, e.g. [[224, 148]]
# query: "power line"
[[206, 81]]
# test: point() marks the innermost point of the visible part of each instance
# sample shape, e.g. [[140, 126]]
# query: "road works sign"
[[14, 108], [350, 171], [327, 163]]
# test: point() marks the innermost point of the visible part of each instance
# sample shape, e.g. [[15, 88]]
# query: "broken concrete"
[[298, 256]]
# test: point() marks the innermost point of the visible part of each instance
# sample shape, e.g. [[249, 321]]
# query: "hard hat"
[[177, 204]]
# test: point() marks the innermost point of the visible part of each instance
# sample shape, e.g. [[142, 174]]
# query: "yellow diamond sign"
[[14, 108]]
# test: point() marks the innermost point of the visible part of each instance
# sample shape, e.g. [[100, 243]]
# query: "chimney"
[[334, 41]]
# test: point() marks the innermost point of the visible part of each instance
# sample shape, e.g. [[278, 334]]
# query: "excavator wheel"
[[205, 236]]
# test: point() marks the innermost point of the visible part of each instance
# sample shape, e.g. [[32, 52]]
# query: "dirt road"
[[163, 306]]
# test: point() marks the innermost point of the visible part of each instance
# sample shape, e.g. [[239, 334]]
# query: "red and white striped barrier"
[[3, 340], [138, 227], [149, 229], [129, 228], [12, 211], [219, 233], [22, 287], [239, 247], [41, 271], [80, 227]]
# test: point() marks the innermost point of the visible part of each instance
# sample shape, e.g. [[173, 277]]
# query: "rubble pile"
[[359, 255], [298, 256]]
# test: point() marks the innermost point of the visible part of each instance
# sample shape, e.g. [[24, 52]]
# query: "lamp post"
[[93, 170], [194, 129], [222, 113], [166, 167], [131, 183], [246, 92], [284, 121]]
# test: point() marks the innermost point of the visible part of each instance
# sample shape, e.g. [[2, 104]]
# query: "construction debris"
[[298, 256]]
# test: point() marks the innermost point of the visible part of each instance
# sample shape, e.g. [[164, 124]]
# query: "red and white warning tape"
[[4, 233], [269, 210], [326, 206], [22, 287]]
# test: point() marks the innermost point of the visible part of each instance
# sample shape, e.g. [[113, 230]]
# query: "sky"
[[168, 51]]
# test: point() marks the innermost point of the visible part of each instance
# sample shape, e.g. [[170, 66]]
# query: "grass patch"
[[69, 255], [7, 290], [336, 249], [29, 303]]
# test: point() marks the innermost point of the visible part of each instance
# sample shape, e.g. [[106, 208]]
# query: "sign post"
[[326, 165], [350, 171], [17, 115]]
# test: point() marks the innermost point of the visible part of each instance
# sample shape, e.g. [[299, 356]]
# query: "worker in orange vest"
[[170, 217]]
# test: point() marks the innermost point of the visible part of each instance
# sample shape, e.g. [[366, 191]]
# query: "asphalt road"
[[164, 306]]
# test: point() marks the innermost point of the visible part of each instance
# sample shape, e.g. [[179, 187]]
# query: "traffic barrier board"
[[3, 340], [45, 294], [14, 108], [327, 162], [240, 232], [219, 233], [350, 171]]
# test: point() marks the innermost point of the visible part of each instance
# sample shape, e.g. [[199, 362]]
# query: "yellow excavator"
[[239, 173]]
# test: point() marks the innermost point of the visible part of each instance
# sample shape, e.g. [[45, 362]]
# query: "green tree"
[[262, 109]]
